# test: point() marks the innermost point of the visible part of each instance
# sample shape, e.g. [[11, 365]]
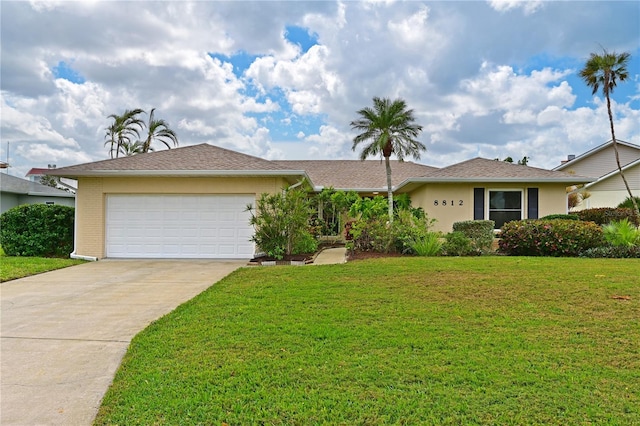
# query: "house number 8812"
[[447, 203]]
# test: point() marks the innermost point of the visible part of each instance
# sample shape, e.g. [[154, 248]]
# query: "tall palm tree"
[[123, 130], [158, 130], [128, 149], [387, 128], [606, 70]]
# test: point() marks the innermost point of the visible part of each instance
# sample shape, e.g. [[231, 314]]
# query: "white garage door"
[[179, 226]]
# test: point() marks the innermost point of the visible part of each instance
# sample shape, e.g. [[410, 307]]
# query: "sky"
[[284, 79]]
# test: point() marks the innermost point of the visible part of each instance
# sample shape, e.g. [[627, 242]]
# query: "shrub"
[[480, 232], [561, 216], [429, 245], [554, 237], [281, 223], [457, 244], [381, 236], [616, 252], [37, 230], [372, 235], [628, 204], [604, 215], [621, 233]]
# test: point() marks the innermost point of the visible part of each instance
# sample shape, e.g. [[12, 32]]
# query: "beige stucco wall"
[[552, 198], [92, 193]]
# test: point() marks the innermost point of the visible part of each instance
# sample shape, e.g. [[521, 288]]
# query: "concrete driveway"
[[65, 332]]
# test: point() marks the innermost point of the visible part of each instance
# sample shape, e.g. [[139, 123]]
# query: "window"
[[505, 206]]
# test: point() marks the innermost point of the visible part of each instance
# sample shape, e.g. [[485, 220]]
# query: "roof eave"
[[499, 180], [197, 173]]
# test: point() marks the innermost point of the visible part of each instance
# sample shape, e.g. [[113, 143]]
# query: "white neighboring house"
[[609, 189], [67, 184]]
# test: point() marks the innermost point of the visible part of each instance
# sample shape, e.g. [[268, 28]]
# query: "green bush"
[[379, 235], [561, 216], [480, 232], [621, 233], [429, 245], [628, 204], [281, 223], [556, 237], [458, 244], [613, 252], [604, 215], [37, 230]]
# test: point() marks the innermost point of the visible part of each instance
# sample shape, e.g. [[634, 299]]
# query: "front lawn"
[[482, 340], [19, 267]]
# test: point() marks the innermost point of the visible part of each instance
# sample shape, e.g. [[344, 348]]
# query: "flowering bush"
[[556, 237]]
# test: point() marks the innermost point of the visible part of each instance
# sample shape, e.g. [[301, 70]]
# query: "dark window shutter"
[[532, 203], [478, 203]]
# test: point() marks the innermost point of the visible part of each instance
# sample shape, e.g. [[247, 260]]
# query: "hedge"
[[556, 237], [37, 230], [605, 215]]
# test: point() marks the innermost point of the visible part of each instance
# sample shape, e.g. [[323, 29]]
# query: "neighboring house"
[[15, 191], [608, 189], [35, 174], [190, 202]]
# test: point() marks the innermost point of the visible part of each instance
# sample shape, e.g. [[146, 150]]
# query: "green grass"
[[483, 340], [20, 267]]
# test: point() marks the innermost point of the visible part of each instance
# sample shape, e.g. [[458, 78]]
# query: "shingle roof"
[[16, 185], [195, 158], [356, 174], [482, 169]]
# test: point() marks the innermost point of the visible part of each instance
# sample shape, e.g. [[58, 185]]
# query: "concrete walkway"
[[64, 333], [331, 256]]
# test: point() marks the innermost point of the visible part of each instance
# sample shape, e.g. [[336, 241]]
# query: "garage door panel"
[[178, 226]]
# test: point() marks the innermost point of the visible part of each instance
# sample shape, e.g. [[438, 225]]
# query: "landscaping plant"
[[37, 230], [621, 233], [556, 237], [457, 244], [480, 232], [428, 245], [281, 223], [604, 215]]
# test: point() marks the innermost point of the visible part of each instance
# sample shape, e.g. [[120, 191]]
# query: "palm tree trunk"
[[636, 212], [389, 188]]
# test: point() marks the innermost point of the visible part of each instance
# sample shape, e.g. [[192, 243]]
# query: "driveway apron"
[[64, 333]]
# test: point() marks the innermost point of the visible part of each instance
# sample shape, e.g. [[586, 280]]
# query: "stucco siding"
[[450, 203], [92, 193], [8, 201]]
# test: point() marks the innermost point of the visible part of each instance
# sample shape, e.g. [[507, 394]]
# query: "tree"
[[128, 149], [123, 135], [387, 128], [124, 130], [158, 130], [605, 71], [48, 180]]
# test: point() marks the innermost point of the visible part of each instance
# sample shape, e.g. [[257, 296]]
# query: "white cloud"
[[482, 79], [528, 6]]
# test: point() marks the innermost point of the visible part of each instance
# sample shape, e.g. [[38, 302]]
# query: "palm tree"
[[128, 149], [123, 130], [606, 70], [158, 130], [387, 128]]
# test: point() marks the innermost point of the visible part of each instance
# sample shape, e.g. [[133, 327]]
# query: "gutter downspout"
[[73, 255]]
